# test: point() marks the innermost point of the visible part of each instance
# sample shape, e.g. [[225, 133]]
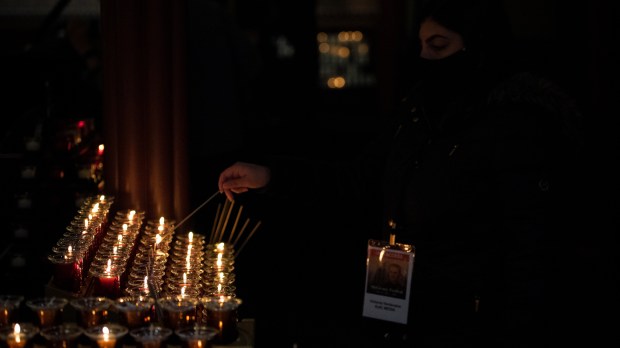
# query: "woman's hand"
[[241, 176]]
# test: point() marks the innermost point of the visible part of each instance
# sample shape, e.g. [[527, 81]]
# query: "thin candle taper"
[[247, 239]]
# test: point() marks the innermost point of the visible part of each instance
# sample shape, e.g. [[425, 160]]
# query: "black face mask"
[[453, 69], [443, 79]]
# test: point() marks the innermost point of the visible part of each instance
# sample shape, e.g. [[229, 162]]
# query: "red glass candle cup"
[[9, 309], [92, 311], [221, 313], [178, 311], [67, 271], [48, 310], [62, 336], [135, 311]]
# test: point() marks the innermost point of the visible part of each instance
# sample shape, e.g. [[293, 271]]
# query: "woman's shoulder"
[[526, 87]]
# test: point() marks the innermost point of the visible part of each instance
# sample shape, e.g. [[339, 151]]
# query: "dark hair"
[[484, 24]]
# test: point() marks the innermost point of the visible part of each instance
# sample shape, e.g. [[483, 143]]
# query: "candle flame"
[[108, 269], [184, 277], [220, 246], [16, 331], [183, 291], [157, 239], [106, 333], [86, 220], [190, 236], [124, 227], [381, 255], [102, 197], [131, 214], [146, 283], [70, 249], [161, 220], [120, 238], [115, 250]]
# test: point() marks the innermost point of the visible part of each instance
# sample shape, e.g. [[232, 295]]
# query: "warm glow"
[[362, 49], [108, 269], [70, 249], [161, 220], [343, 52], [184, 278], [124, 227], [131, 214], [336, 82], [381, 255], [183, 291], [16, 331], [114, 250], [324, 47], [100, 149], [86, 222], [106, 333], [146, 284], [95, 208], [220, 246], [321, 37], [157, 239], [120, 238]]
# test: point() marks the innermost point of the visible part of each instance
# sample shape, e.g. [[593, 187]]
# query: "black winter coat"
[[481, 191]]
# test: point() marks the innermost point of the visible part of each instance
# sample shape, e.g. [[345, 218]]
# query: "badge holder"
[[389, 268]]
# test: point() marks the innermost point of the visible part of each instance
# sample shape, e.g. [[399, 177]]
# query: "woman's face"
[[438, 41]]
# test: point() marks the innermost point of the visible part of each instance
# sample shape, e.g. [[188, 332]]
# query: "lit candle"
[[107, 339], [222, 314], [109, 284], [16, 339], [69, 252]]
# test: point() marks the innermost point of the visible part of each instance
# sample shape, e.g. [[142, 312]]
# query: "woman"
[[473, 173]]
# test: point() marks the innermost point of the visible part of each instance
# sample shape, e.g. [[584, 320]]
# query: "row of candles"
[[121, 258], [181, 279], [135, 316]]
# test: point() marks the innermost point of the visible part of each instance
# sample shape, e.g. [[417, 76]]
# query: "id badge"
[[389, 269]]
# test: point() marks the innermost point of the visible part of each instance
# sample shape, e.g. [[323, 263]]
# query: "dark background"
[[244, 96]]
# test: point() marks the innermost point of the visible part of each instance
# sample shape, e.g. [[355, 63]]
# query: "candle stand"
[[131, 281]]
